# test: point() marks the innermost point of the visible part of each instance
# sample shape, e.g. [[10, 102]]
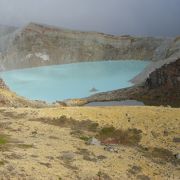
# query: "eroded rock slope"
[[38, 45]]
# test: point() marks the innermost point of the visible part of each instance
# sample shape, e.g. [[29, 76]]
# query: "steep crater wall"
[[39, 45], [168, 76]]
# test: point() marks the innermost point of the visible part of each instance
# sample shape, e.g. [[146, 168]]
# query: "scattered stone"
[[34, 132], [60, 103], [143, 177], [165, 133], [134, 170], [93, 90], [177, 156], [87, 155], [101, 157], [103, 176], [48, 165], [111, 148], [154, 134], [68, 156], [176, 139], [93, 141], [53, 137]]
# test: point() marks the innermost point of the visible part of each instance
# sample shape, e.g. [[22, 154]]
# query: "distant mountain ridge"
[[38, 45]]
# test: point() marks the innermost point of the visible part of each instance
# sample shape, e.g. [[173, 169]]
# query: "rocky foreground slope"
[[113, 143], [109, 143], [38, 45]]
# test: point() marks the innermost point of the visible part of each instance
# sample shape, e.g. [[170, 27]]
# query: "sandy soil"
[[37, 144]]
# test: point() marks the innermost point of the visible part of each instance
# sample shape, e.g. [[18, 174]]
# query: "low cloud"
[[134, 17]]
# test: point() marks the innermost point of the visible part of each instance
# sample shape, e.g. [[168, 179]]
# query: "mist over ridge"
[[118, 17]]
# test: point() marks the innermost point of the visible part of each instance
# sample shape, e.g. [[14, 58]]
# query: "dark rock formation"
[[168, 77], [162, 87]]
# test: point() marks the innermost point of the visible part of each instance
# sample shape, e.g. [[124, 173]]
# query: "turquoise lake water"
[[59, 82]]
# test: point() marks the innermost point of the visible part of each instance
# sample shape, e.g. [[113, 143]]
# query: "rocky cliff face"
[[168, 76], [162, 87], [38, 45]]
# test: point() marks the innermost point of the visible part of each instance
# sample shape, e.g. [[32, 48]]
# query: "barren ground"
[[50, 143]]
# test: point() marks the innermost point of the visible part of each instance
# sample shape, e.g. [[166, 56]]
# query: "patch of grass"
[[125, 137], [159, 155], [63, 121], [3, 140], [25, 146], [93, 127], [143, 177], [85, 138], [2, 163], [87, 128], [107, 131], [87, 155], [101, 175], [14, 115]]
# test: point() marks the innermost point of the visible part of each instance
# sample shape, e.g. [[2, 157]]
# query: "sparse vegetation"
[[65, 122], [85, 138], [2, 163], [25, 146], [159, 155], [67, 141], [3, 140], [87, 128], [118, 136]]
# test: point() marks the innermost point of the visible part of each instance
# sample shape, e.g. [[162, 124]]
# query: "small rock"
[[48, 165], [177, 156], [68, 156], [60, 103], [111, 148], [101, 157], [93, 141], [176, 139], [166, 133], [93, 90], [34, 132]]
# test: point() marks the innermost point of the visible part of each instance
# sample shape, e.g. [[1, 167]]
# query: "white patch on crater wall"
[[43, 56], [29, 56]]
